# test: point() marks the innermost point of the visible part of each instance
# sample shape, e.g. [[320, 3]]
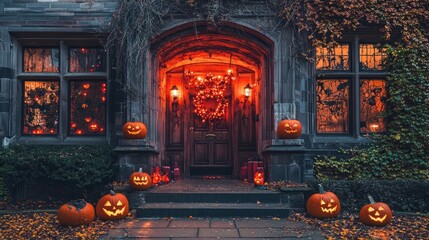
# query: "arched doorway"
[[194, 62]]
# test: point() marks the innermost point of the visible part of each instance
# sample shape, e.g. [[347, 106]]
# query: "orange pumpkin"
[[165, 178], [375, 213], [75, 213], [156, 176], [258, 179], [323, 204], [289, 129], [140, 180], [112, 206], [134, 130]]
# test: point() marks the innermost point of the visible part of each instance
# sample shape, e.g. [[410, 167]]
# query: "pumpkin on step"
[[134, 130], [75, 213], [112, 206], [289, 129], [323, 204], [375, 213], [140, 180]]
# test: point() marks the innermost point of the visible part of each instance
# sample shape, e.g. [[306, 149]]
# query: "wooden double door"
[[210, 146]]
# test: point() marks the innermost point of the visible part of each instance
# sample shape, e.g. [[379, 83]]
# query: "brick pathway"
[[216, 228]]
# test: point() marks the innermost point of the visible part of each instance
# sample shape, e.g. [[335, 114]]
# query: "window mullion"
[[355, 89], [63, 118]]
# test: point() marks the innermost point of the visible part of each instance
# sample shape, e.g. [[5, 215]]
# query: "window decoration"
[[87, 60], [210, 102], [40, 107], [371, 57], [87, 107], [41, 59], [332, 103], [372, 105], [333, 58]]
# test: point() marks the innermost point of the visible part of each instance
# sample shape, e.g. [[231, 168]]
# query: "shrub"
[[401, 195], [77, 167]]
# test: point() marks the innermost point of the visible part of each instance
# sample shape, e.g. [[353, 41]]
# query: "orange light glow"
[[86, 85]]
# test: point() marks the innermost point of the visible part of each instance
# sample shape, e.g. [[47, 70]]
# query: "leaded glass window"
[[371, 57], [87, 107], [41, 60], [372, 105], [87, 60], [332, 105], [333, 58], [40, 107]]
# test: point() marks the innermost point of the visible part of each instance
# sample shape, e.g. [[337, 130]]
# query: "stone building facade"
[[58, 87]]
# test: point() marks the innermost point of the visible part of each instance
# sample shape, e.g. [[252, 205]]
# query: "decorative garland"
[[210, 88]]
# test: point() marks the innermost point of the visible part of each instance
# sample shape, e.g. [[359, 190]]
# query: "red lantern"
[[243, 172], [165, 178], [156, 176]]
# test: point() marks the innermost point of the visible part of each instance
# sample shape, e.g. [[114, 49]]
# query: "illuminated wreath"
[[210, 88]]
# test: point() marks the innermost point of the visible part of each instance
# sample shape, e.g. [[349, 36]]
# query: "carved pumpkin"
[[289, 129], [112, 206], [156, 176], [323, 204], [75, 213], [258, 179], [134, 130], [375, 213], [140, 180]]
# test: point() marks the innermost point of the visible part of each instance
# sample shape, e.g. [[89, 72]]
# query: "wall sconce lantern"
[[174, 91], [247, 91]]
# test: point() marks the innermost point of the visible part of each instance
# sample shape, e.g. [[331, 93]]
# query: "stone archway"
[[202, 50]]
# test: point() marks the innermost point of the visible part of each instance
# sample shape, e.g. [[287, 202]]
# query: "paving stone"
[[163, 232], [189, 223], [117, 233], [218, 232], [144, 223], [274, 233], [259, 223], [222, 224]]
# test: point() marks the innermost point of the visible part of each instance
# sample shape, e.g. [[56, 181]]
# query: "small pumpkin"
[[75, 213], [165, 178], [323, 204], [289, 129], [375, 213], [134, 130], [140, 180], [258, 179], [112, 206]]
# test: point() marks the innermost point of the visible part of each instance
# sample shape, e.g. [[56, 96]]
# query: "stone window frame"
[[64, 77], [354, 75]]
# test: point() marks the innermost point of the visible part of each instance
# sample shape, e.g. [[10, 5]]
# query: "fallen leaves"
[[46, 226], [347, 226]]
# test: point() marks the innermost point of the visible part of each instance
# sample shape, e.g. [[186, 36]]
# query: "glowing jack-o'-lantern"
[[289, 129], [75, 213], [375, 213], [258, 179], [323, 204], [93, 127], [134, 130], [165, 178], [112, 206], [140, 180], [156, 176]]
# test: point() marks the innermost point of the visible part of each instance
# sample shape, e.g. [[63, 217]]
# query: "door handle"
[[211, 136]]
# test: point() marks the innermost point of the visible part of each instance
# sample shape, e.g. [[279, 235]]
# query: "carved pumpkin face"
[[259, 179], [134, 130], [289, 129], [375, 214], [112, 206], [323, 205], [140, 180]]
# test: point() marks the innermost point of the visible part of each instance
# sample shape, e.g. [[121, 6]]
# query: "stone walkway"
[[213, 228]]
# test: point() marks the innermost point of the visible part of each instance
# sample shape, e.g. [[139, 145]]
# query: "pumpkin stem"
[[112, 192], [321, 190], [140, 169], [371, 199]]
